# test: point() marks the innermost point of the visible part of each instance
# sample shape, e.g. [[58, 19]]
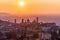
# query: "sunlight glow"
[[21, 3]]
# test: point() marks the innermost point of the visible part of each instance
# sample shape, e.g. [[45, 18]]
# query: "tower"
[[15, 21], [22, 20], [37, 19], [28, 20]]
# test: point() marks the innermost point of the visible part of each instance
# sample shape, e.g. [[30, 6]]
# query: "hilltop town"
[[27, 30]]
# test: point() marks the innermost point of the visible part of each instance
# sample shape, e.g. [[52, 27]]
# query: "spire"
[[28, 20]]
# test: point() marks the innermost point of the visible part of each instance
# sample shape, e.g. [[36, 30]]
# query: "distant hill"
[[7, 16], [4, 16]]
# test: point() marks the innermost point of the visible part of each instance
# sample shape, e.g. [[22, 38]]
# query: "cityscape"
[[29, 19], [26, 30]]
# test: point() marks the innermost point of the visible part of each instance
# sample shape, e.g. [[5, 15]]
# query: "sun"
[[21, 3]]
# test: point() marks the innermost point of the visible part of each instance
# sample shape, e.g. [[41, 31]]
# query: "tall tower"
[[37, 19], [22, 20], [15, 21]]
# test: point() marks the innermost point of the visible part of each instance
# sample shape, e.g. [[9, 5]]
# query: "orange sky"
[[31, 7]]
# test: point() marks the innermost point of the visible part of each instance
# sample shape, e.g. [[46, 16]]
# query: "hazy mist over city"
[[29, 19], [42, 18]]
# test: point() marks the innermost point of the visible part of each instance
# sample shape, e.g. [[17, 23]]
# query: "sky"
[[30, 7]]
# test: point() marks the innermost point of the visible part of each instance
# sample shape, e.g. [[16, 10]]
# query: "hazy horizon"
[[46, 10], [42, 18]]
